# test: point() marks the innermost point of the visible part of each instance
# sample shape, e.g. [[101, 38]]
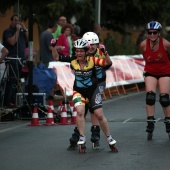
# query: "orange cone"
[[74, 114], [50, 118], [63, 118], [35, 118]]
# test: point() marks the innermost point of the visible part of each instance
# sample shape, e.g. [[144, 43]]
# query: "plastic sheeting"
[[44, 78]]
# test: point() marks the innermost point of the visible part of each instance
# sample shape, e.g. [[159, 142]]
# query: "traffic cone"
[[74, 114], [50, 118], [50, 104], [63, 118], [35, 118], [71, 105], [59, 107]]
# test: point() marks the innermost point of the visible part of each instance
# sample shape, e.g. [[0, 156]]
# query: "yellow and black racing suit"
[[85, 88]]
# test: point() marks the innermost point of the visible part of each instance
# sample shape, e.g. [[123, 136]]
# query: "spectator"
[[3, 52], [15, 38], [61, 22], [63, 40], [45, 43], [46, 50]]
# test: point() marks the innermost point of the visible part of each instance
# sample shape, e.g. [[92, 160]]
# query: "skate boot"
[[73, 140], [95, 137], [81, 144], [150, 127], [112, 143], [167, 125]]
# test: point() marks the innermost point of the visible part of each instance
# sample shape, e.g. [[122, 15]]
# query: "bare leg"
[[102, 121], [80, 120]]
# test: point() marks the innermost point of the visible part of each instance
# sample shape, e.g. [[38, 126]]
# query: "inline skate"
[[167, 125], [81, 144], [150, 127], [112, 143], [73, 140], [95, 137]]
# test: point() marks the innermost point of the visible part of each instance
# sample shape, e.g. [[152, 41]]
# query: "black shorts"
[[146, 74]]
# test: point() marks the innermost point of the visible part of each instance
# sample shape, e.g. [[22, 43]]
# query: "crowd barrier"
[[125, 70]]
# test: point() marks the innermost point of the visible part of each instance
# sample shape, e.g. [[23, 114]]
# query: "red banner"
[[124, 70]]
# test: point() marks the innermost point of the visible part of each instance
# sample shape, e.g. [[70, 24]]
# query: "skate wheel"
[[113, 148], [150, 135], [95, 146], [71, 147], [82, 149]]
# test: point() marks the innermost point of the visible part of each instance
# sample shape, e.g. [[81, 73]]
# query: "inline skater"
[[96, 50], [86, 89], [156, 50]]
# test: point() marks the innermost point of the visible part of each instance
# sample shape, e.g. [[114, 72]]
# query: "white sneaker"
[[82, 140], [110, 140]]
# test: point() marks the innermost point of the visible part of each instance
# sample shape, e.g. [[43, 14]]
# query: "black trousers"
[[13, 75]]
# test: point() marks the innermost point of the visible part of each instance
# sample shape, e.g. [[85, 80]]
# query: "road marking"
[[127, 120], [8, 129], [157, 119]]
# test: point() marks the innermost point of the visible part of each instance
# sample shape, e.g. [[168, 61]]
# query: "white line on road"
[[127, 120], [8, 129]]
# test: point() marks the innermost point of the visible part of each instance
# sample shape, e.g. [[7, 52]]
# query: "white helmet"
[[91, 37], [154, 25], [81, 43]]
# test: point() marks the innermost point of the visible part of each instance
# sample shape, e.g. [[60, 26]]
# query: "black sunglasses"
[[154, 32]]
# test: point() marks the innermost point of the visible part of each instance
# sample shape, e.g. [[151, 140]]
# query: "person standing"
[[46, 53], [155, 50], [45, 43], [3, 53], [15, 38], [61, 22], [63, 40]]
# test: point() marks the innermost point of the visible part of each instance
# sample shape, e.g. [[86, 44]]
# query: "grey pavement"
[[45, 147]]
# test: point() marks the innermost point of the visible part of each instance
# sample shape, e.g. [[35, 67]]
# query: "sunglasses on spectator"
[[152, 32]]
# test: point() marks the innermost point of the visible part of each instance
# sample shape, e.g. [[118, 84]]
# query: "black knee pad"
[[150, 98], [164, 100]]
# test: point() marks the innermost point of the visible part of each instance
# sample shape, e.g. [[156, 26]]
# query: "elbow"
[[108, 63]]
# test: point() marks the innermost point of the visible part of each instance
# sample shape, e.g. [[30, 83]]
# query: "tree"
[[121, 16]]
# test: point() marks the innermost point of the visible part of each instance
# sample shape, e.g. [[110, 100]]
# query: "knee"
[[80, 113], [100, 117], [150, 98], [164, 100]]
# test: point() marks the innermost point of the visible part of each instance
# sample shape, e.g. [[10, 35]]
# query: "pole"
[[30, 52], [97, 11]]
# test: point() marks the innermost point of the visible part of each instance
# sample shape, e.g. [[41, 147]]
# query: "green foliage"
[[120, 16]]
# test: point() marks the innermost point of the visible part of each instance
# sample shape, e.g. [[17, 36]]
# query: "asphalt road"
[[24, 147]]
